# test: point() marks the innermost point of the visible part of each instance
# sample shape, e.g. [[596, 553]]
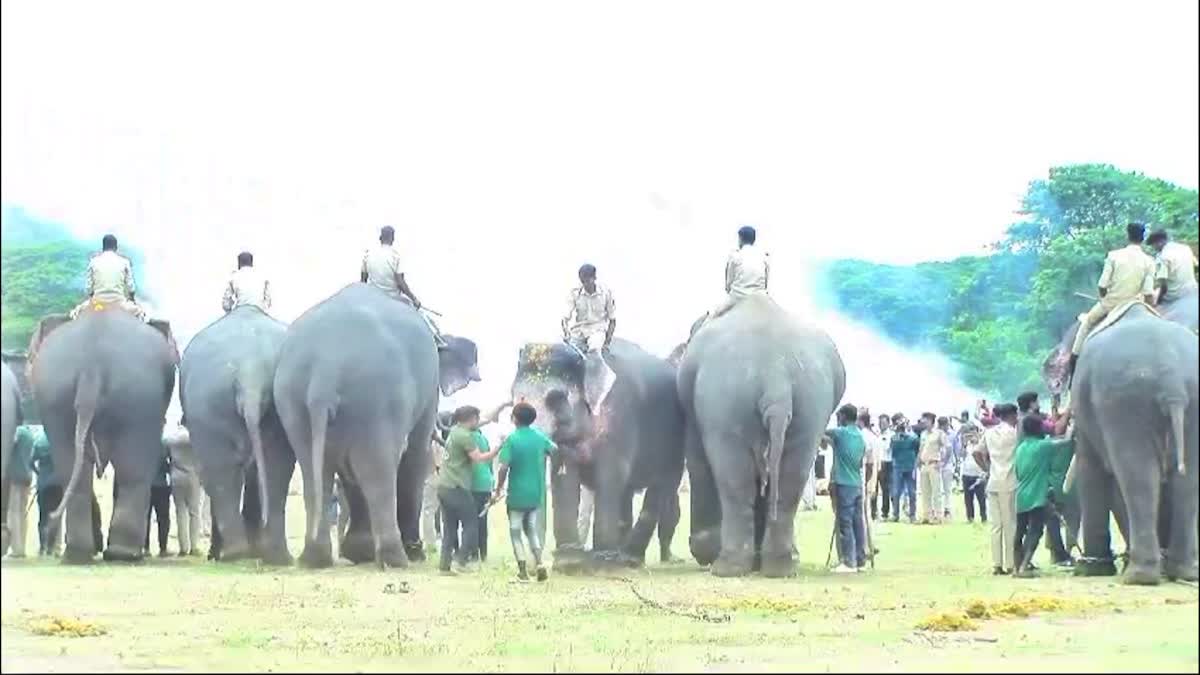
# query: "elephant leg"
[[80, 543], [1140, 487], [128, 527], [1181, 563], [1095, 488], [780, 532], [252, 510], [668, 520], [230, 542], [564, 485], [415, 466], [376, 470], [633, 547], [737, 489], [358, 546], [281, 464], [704, 540]]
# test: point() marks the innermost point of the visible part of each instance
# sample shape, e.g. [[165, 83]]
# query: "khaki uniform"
[[1176, 265], [1128, 275], [185, 490], [110, 281], [746, 274], [1000, 445], [930, 488], [382, 265], [588, 316], [246, 287]]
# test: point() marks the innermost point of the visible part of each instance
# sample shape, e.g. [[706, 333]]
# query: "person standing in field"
[[933, 445], [846, 487], [20, 476], [454, 490], [160, 505], [185, 489], [974, 480], [523, 459], [883, 485], [904, 468], [1035, 457], [995, 456]]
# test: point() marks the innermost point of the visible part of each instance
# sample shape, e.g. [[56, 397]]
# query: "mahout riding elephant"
[[1137, 413], [102, 383], [10, 418], [226, 389], [758, 387], [356, 388], [633, 443]]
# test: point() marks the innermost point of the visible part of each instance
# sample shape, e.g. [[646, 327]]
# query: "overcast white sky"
[[510, 142]]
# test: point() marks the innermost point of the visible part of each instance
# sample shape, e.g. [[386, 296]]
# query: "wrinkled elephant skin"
[[102, 383], [10, 417], [758, 387]]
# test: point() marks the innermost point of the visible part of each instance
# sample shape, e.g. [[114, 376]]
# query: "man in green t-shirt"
[[20, 476], [454, 482], [523, 457], [1034, 461], [846, 484], [482, 484]]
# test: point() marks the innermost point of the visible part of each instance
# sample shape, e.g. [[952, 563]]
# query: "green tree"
[[35, 280]]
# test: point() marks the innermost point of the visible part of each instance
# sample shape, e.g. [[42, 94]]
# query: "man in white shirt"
[[588, 326], [1128, 275], [110, 281], [246, 287], [1175, 273], [382, 268], [995, 455], [884, 484]]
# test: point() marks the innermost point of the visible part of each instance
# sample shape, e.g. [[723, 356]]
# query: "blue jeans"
[[904, 482], [852, 534]]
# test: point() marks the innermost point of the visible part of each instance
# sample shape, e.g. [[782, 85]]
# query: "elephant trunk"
[[252, 415], [87, 398]]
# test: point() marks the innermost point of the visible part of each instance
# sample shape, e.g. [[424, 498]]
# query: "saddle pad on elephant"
[[1116, 315]]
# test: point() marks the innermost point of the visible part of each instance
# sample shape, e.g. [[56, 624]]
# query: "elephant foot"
[[277, 557], [1095, 567], [392, 555], [358, 547], [415, 550], [74, 556], [316, 557], [1141, 575], [234, 553], [1181, 572], [705, 546], [602, 560], [571, 560], [666, 558], [123, 554], [778, 566], [733, 565]]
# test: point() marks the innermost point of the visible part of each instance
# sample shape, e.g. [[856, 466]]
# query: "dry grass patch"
[[61, 626]]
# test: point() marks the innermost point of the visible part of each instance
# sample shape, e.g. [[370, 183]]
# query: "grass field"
[[191, 615]]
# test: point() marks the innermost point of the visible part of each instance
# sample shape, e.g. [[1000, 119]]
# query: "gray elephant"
[[226, 389], [758, 387], [1184, 310], [10, 418], [356, 388], [633, 443], [102, 383], [1135, 402]]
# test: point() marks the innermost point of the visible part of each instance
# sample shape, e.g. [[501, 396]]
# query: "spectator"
[[995, 456], [185, 490], [974, 480], [948, 465], [904, 468], [849, 450], [934, 444], [1034, 458], [49, 494], [884, 483], [20, 476], [454, 490], [1060, 506], [160, 505], [523, 458]]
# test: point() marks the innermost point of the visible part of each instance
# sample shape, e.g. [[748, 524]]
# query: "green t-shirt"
[[43, 461], [848, 450], [1033, 461], [456, 469], [20, 462], [481, 472], [1058, 472], [525, 451]]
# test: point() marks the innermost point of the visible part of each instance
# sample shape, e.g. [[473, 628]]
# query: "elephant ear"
[[598, 380], [458, 364]]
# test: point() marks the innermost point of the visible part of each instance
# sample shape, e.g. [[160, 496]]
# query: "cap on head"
[[1136, 232], [387, 234], [245, 259], [747, 235], [108, 243]]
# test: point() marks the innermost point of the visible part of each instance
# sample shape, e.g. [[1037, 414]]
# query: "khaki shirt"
[[587, 312], [1177, 267], [932, 442], [109, 277], [1128, 275], [382, 265], [179, 445], [1000, 444], [247, 287], [746, 271]]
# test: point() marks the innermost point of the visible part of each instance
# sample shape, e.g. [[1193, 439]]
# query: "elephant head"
[[458, 364], [1055, 368], [550, 377]]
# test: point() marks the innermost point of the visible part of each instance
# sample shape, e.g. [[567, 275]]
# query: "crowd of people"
[[1008, 461]]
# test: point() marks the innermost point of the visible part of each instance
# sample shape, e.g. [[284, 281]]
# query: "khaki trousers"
[[1094, 316], [1002, 509], [18, 520], [429, 507], [187, 495], [587, 505], [930, 491]]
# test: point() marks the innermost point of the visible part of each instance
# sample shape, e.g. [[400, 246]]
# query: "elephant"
[[226, 390], [102, 383], [758, 387], [10, 418], [1137, 413], [1184, 310], [356, 388], [633, 443]]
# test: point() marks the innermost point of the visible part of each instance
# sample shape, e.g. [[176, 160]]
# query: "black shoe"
[[542, 574], [999, 571]]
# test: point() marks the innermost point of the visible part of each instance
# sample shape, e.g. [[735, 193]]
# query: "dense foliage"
[[998, 315]]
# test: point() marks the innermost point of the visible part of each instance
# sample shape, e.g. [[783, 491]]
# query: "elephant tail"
[[776, 419], [87, 398], [251, 405], [319, 420], [1176, 412]]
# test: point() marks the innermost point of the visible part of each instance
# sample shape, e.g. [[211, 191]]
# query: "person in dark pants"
[[160, 506], [974, 480], [846, 484], [454, 489], [1035, 457], [904, 447], [884, 489]]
